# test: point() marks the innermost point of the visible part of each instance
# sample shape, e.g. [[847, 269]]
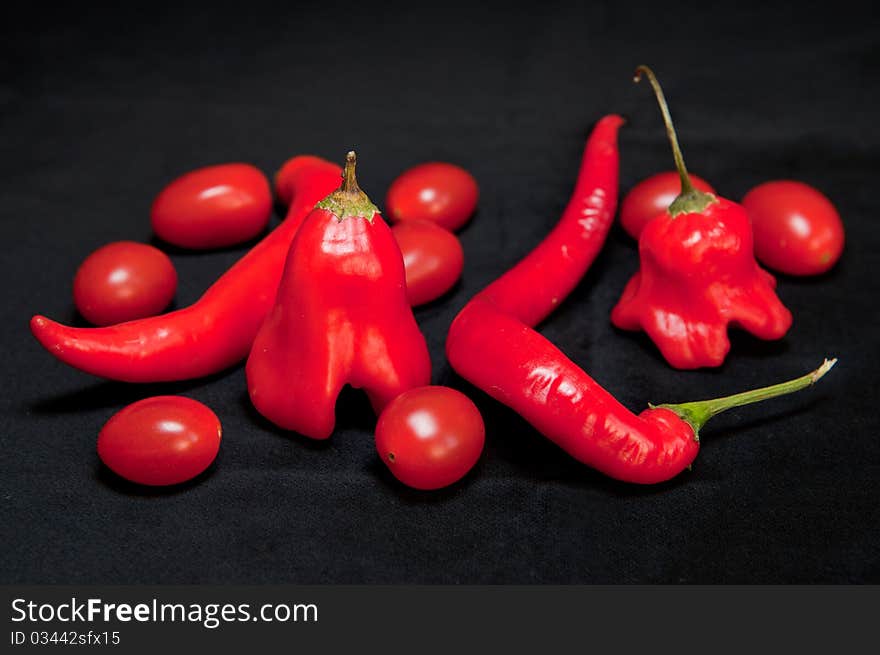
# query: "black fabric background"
[[101, 108]]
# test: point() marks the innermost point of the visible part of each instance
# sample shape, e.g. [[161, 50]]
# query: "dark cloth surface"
[[100, 109]]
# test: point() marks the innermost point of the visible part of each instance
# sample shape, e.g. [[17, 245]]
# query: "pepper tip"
[[38, 322]]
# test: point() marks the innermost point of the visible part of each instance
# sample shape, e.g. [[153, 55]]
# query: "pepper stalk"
[[348, 199], [697, 413], [691, 200]]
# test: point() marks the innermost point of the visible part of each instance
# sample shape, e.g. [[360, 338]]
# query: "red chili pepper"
[[341, 317], [698, 274], [208, 336], [492, 345]]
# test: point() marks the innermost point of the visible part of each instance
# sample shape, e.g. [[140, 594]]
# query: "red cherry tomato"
[[433, 259], [796, 228], [652, 196], [430, 436], [123, 281], [213, 207], [445, 194], [160, 440]]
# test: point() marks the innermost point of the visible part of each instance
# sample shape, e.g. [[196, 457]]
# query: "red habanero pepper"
[[492, 345], [208, 336], [341, 316], [698, 274]]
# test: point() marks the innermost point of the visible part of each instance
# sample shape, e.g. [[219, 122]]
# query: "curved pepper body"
[[491, 342], [562, 402], [208, 336], [536, 285], [341, 317], [698, 275]]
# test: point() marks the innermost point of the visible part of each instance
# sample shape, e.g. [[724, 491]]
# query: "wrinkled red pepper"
[[698, 275], [491, 344], [217, 330], [341, 316]]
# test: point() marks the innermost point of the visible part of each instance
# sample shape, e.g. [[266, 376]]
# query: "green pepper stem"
[[697, 413], [686, 185], [348, 200], [690, 200]]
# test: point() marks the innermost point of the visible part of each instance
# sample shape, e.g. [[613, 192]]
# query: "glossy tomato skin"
[[213, 207], [123, 281], [651, 197], [439, 192], [433, 259], [430, 437], [161, 440], [797, 229]]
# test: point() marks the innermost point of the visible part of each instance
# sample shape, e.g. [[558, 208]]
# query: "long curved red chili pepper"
[[213, 333], [491, 344]]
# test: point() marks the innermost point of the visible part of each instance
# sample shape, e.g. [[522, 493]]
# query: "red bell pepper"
[[341, 316]]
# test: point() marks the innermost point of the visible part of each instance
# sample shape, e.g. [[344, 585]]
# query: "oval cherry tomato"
[[652, 196], [430, 436], [160, 440], [433, 259], [796, 228], [213, 207], [442, 193], [123, 281]]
